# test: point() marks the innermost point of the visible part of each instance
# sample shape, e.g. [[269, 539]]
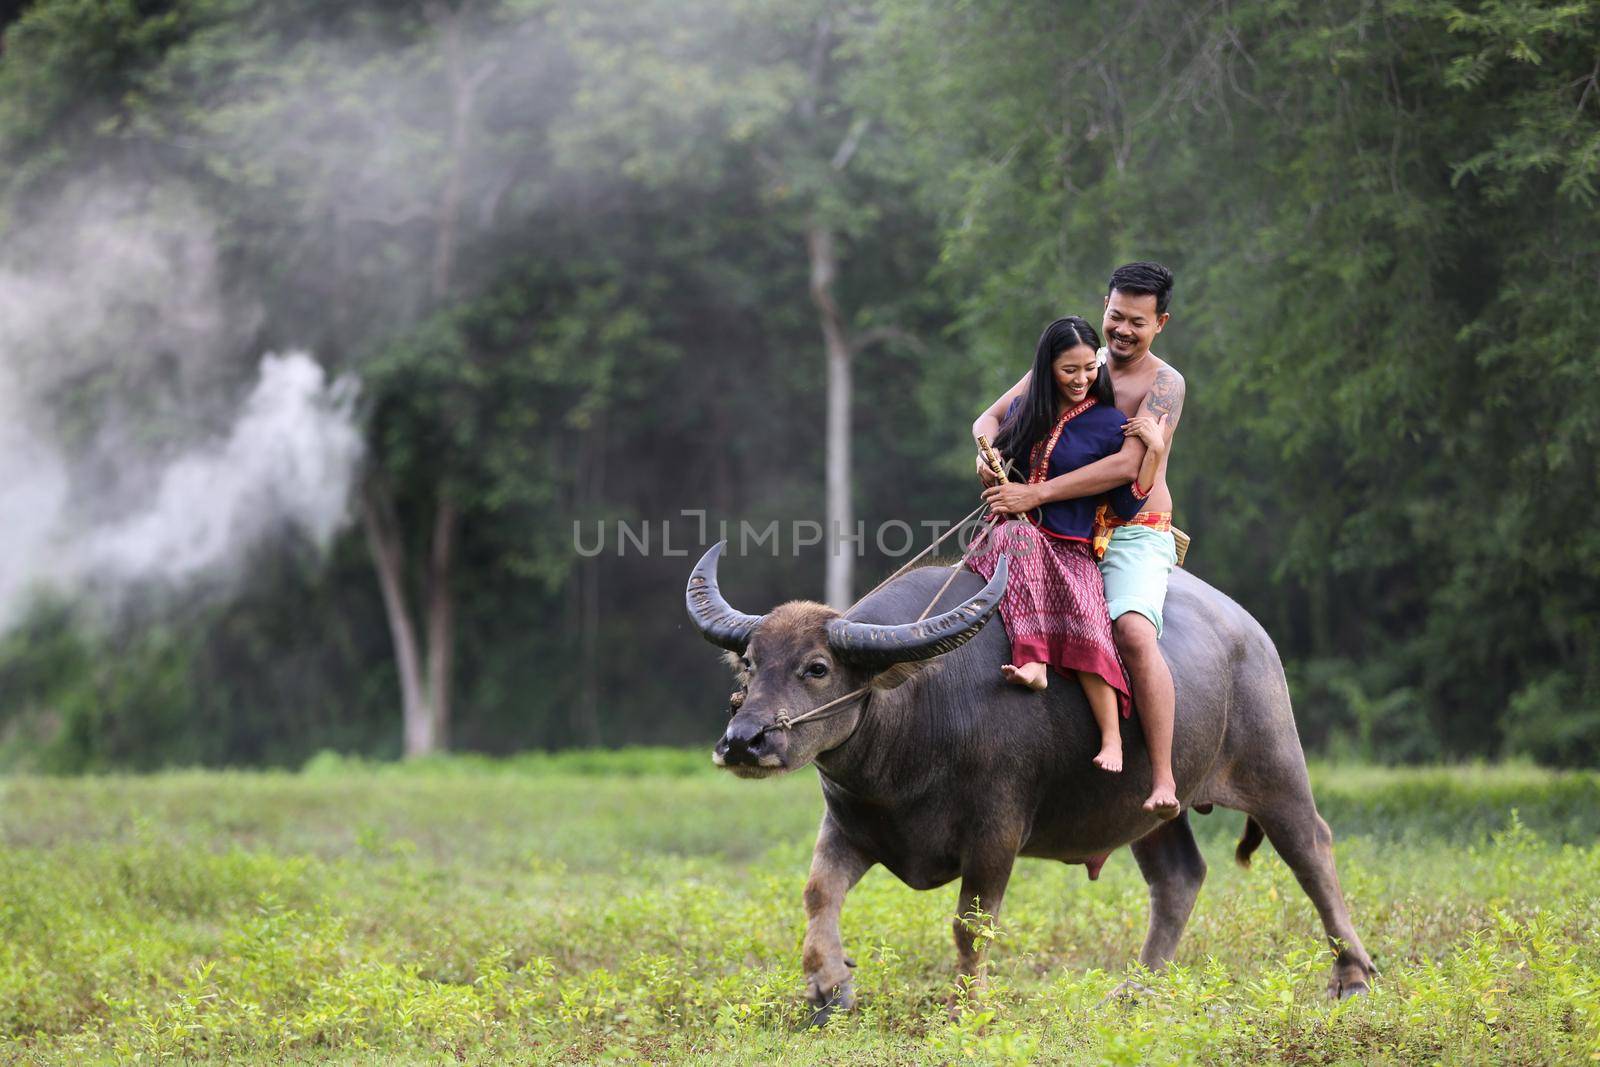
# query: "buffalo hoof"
[[842, 999], [1355, 987], [1352, 977], [1126, 992]]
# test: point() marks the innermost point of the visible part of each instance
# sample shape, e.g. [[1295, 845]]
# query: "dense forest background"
[[607, 261]]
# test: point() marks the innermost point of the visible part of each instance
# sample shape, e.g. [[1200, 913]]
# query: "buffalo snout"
[[749, 744]]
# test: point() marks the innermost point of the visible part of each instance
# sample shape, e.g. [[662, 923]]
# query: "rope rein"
[[832, 707], [784, 722]]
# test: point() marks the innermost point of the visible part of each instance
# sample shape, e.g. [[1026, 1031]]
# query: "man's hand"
[[1153, 432], [1012, 498], [985, 475]]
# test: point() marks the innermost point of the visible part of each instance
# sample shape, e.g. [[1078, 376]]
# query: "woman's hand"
[[1012, 498], [986, 475], [1151, 431]]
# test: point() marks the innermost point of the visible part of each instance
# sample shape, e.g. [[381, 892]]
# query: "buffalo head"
[[802, 655]]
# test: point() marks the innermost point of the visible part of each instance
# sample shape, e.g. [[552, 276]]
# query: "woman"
[[1054, 607]]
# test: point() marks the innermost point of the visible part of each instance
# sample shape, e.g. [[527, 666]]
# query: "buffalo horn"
[[879, 646], [715, 617]]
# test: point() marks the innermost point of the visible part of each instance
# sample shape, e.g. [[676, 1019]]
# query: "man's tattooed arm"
[[1166, 398]]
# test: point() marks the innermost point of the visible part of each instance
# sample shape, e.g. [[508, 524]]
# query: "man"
[[1140, 555]]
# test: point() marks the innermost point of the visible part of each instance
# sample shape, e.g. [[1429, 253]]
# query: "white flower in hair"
[[1101, 356]]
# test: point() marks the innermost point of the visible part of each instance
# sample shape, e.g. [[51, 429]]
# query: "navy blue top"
[[1092, 434]]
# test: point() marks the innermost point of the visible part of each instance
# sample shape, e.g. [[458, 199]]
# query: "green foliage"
[[638, 909], [75, 708], [242, 682], [483, 398], [75, 75], [1552, 720]]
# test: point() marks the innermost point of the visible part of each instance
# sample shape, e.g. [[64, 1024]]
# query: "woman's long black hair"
[[1036, 416]]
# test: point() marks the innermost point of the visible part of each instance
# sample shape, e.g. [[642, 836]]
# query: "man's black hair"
[[1141, 279]]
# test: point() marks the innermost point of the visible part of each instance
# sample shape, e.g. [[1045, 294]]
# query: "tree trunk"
[[840, 519], [426, 687], [388, 559], [441, 619], [586, 710], [585, 717]]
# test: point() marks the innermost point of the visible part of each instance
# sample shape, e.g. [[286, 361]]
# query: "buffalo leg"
[[1174, 869], [836, 865], [1304, 841], [983, 888]]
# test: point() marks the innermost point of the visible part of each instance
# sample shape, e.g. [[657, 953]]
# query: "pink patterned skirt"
[[1054, 607]]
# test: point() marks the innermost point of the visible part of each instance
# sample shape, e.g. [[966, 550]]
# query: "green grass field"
[[635, 906]]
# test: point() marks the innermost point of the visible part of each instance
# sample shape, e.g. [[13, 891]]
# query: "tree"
[[368, 158], [770, 84], [1370, 209], [581, 255]]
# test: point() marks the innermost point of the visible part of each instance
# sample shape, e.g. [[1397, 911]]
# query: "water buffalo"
[[941, 769]]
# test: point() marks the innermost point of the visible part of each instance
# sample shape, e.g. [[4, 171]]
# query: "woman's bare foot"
[[1033, 675], [1103, 704], [1163, 801], [1110, 757]]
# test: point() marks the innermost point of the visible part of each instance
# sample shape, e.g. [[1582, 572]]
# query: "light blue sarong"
[[1135, 569]]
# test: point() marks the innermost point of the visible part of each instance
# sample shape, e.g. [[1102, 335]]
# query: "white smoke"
[[130, 452], [33, 493], [290, 457], [126, 454]]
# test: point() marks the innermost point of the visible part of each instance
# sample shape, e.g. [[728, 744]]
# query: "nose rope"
[[821, 711]]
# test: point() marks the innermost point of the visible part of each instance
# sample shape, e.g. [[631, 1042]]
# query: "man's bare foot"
[[1162, 801], [1032, 675], [1110, 757]]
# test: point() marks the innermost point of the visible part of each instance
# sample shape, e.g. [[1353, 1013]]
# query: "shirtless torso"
[[1151, 387]]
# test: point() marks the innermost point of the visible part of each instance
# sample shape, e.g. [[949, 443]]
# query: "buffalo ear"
[[901, 673], [735, 664]]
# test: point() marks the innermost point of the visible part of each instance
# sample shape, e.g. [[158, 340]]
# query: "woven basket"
[[1180, 540]]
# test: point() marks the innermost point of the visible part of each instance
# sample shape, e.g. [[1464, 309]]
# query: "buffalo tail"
[[1249, 841]]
